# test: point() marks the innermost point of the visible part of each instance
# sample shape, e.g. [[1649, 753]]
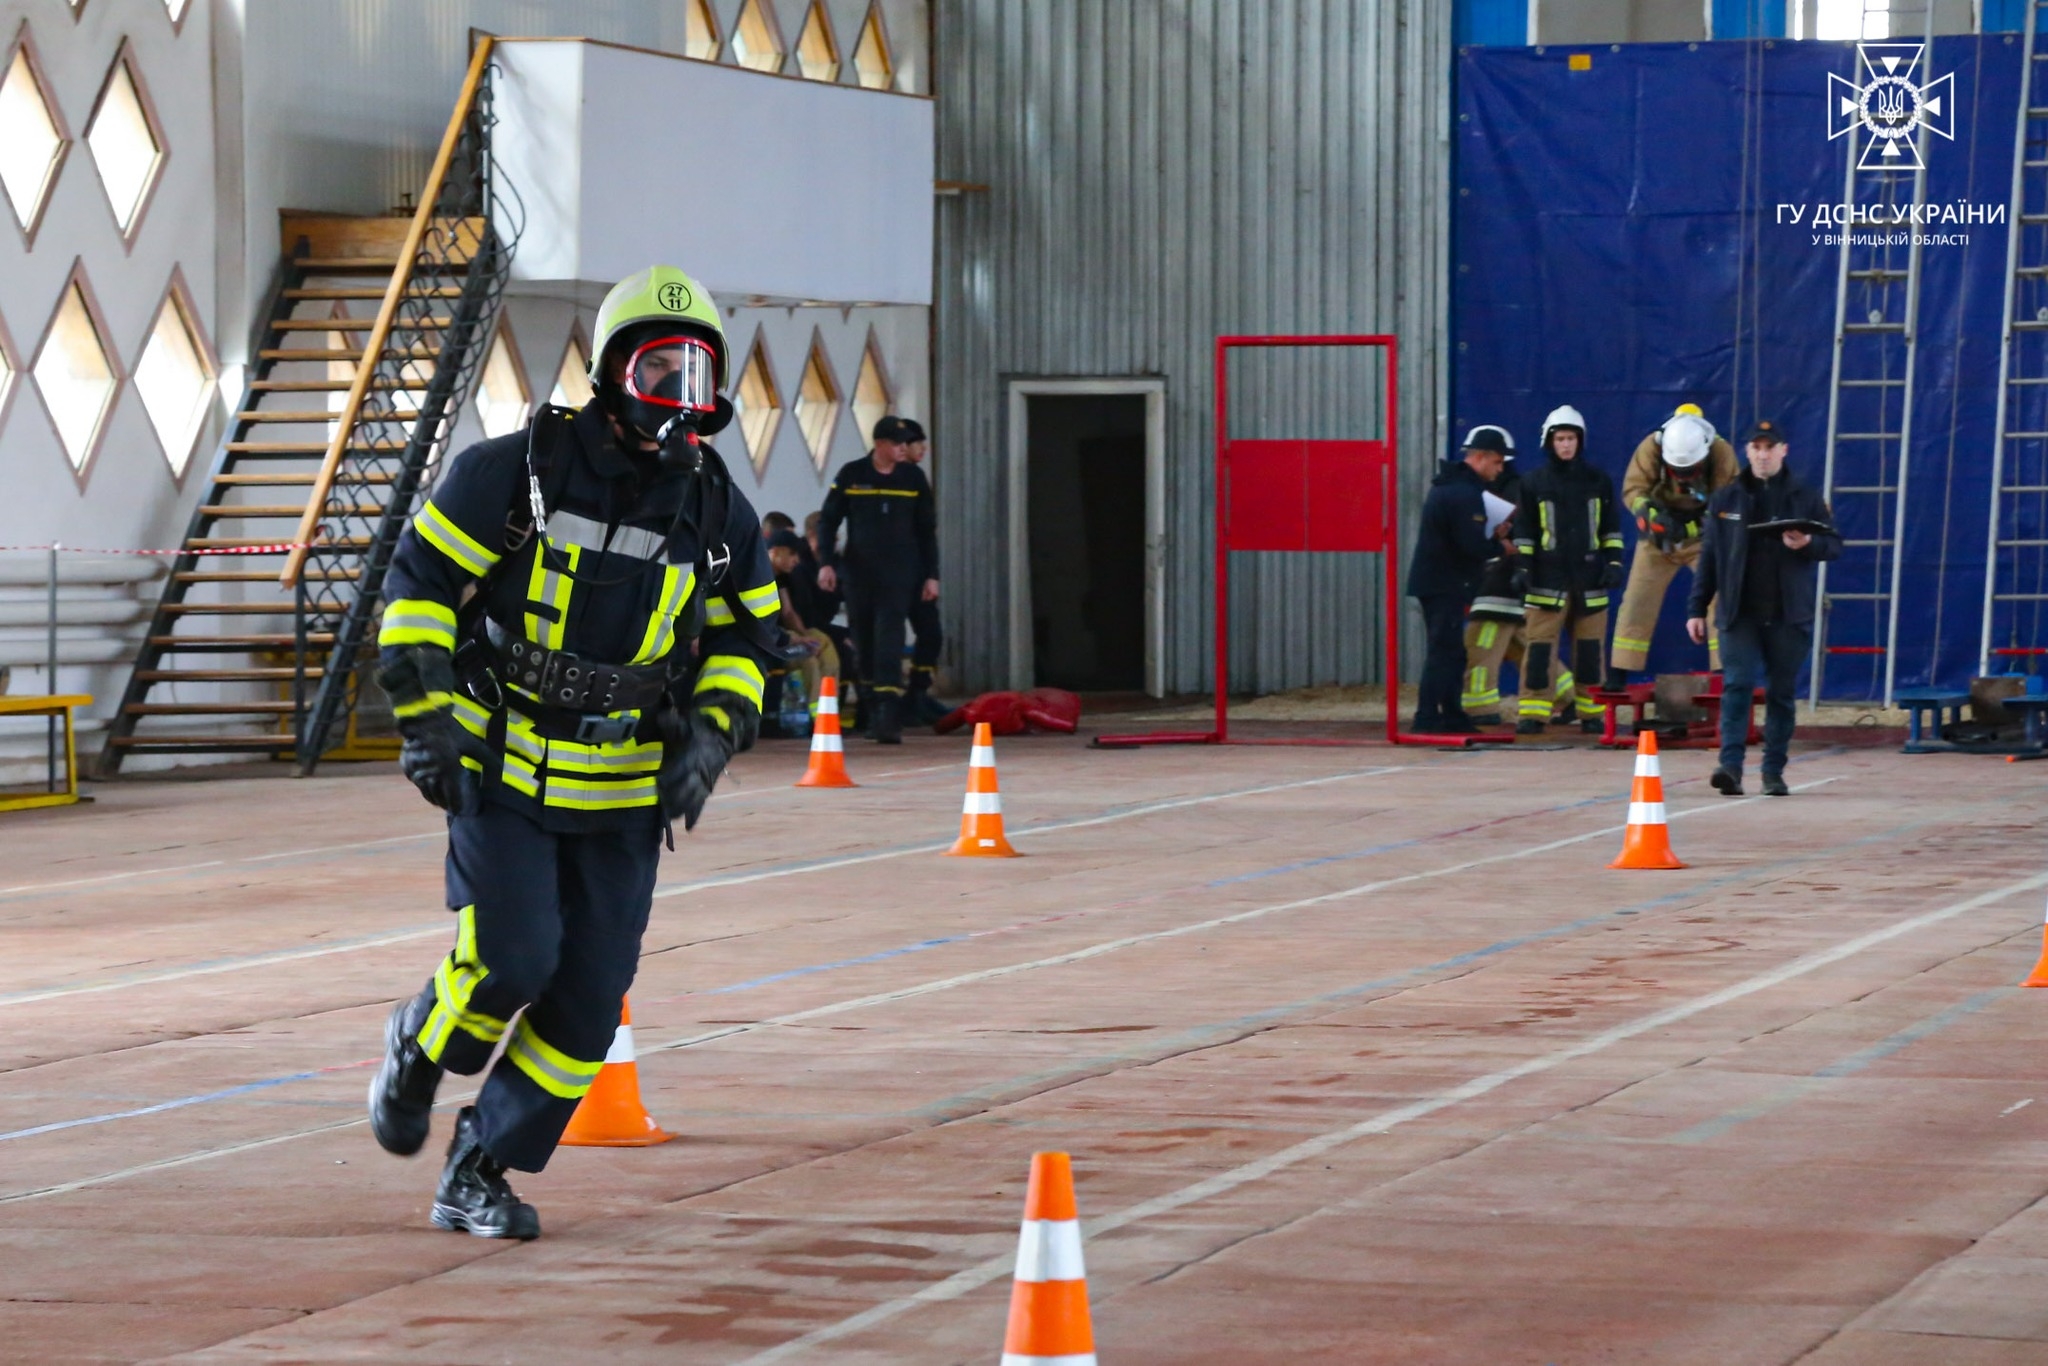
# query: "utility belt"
[[574, 693]]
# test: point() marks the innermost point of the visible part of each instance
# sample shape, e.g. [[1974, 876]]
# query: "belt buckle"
[[605, 730]]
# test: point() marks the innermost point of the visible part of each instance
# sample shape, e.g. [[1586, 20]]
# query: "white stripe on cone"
[[981, 756], [982, 804], [622, 1046], [1079, 1359], [828, 705], [1050, 1250], [821, 743], [1646, 813], [1646, 766]]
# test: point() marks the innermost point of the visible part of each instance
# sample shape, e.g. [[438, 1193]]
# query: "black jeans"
[[1443, 667], [924, 655], [1766, 657], [879, 600]]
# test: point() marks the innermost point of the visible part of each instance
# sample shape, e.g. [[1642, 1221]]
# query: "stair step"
[[290, 353], [345, 264], [223, 675], [253, 511], [263, 575], [303, 416], [435, 322], [207, 709], [308, 447], [244, 543], [190, 744], [337, 292], [291, 480], [227, 609], [284, 641], [315, 386]]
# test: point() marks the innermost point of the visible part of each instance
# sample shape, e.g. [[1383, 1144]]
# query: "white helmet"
[[1562, 416], [1685, 438]]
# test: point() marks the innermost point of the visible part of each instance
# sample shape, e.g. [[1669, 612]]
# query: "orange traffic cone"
[[1049, 1300], [2039, 976], [1648, 841], [610, 1114], [981, 815], [828, 752]]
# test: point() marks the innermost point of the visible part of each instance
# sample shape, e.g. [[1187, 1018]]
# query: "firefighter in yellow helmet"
[[573, 639], [1673, 472]]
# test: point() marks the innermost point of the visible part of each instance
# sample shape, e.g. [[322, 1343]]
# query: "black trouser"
[[878, 603], [1766, 657], [1443, 667], [924, 652], [549, 924]]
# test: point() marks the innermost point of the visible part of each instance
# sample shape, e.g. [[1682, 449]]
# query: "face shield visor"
[[673, 376]]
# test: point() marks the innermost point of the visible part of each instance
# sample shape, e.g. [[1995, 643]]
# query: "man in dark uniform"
[[1451, 553], [919, 706], [891, 560], [558, 715]]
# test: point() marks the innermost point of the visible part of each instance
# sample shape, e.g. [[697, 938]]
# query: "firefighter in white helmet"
[[1568, 535], [1670, 477]]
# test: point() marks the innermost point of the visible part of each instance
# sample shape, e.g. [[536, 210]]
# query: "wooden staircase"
[[374, 331]]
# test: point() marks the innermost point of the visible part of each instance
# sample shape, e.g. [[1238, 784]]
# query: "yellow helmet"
[[661, 295]]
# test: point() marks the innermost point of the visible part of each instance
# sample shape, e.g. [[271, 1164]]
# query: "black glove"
[[435, 743], [1657, 524], [420, 681], [1612, 575], [1518, 582], [694, 751]]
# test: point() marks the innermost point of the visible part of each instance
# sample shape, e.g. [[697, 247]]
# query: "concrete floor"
[[1363, 1056]]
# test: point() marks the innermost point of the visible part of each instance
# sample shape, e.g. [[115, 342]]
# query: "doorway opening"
[[1086, 526]]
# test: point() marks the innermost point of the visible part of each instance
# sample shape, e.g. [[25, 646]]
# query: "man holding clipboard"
[[1765, 537]]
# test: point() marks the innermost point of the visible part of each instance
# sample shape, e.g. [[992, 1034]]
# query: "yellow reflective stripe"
[[764, 601], [718, 717], [882, 493], [417, 621], [731, 673], [1543, 517], [433, 701], [718, 613], [660, 637], [1610, 542], [1487, 632], [566, 757], [1534, 705], [1630, 641], [550, 589], [455, 981], [554, 1071], [579, 794], [434, 527]]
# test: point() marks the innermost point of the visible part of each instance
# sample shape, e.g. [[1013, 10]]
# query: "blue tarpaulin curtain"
[[1619, 246]]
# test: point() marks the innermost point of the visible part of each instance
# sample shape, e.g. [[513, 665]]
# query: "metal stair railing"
[[469, 220]]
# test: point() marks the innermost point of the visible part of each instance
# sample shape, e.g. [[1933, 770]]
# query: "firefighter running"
[[1568, 539], [558, 715], [1673, 472]]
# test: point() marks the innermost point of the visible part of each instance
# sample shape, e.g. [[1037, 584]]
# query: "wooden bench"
[[52, 705], [1923, 703]]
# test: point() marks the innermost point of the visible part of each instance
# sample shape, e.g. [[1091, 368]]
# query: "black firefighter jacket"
[[1452, 547], [1568, 529], [1724, 547]]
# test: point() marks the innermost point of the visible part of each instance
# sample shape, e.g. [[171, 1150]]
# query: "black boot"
[[473, 1196], [402, 1092], [888, 727], [1616, 681]]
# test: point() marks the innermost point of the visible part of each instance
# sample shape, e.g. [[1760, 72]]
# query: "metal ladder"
[[1870, 424], [2016, 544]]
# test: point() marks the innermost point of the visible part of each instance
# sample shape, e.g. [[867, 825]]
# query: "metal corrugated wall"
[[1161, 171]]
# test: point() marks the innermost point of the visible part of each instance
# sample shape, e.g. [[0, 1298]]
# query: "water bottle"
[[796, 711]]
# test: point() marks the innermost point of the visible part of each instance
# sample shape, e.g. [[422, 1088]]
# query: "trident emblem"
[[1890, 104]]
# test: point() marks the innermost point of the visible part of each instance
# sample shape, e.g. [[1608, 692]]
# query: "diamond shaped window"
[[758, 407], [74, 371], [817, 56], [871, 397], [502, 399], [127, 147], [572, 382], [755, 43], [175, 376], [32, 141], [177, 11], [10, 369], [817, 404], [871, 55], [700, 31]]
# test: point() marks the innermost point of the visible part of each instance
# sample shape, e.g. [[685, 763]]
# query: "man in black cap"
[[1765, 535], [1451, 553], [891, 560]]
